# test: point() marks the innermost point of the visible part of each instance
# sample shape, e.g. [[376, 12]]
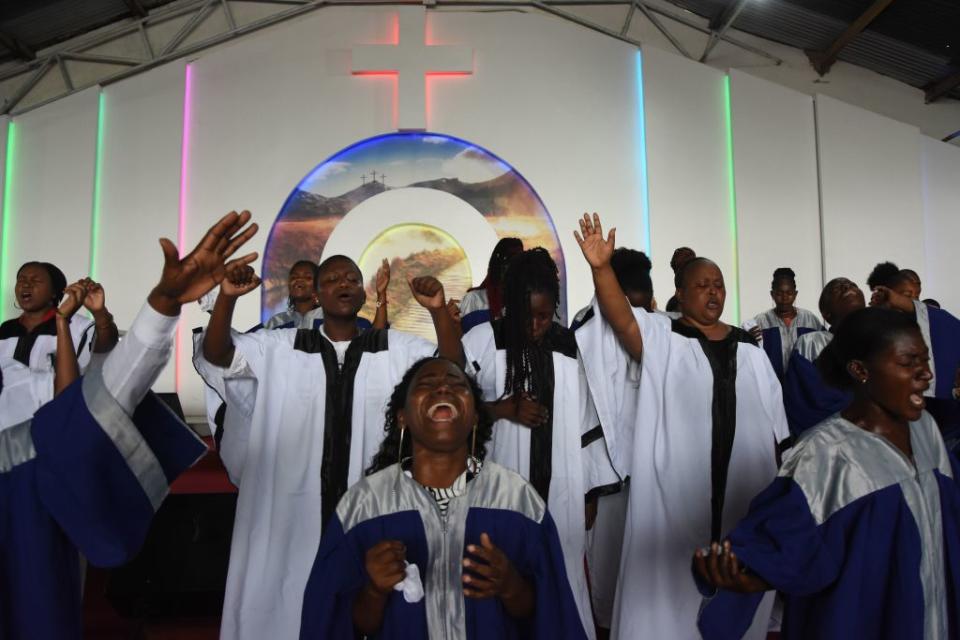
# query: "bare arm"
[[218, 346], [429, 293], [380, 320], [66, 369], [217, 343], [610, 297]]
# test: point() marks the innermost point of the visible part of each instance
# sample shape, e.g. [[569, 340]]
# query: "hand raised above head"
[[596, 250], [185, 279], [428, 291], [239, 279], [383, 278]]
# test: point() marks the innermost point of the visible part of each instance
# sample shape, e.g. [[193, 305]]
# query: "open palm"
[[596, 250], [187, 279]]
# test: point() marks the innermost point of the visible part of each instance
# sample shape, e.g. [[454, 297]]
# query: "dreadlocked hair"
[[387, 454], [532, 271]]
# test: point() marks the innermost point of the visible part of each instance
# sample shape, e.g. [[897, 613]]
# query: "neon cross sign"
[[411, 60]]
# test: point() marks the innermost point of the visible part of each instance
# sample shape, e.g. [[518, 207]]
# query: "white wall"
[[139, 187], [688, 168], [557, 102], [268, 108], [870, 191], [52, 195], [778, 209], [941, 217]]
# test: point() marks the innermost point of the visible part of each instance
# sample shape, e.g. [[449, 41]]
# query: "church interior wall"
[[557, 102]]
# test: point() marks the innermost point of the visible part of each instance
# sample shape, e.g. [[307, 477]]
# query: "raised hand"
[[453, 308], [185, 280], [385, 564], [428, 291], [239, 279], [73, 297], [595, 249], [383, 279], [721, 569], [95, 300], [489, 573]]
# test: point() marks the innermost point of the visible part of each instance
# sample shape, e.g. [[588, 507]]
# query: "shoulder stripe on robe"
[[16, 446], [493, 487], [128, 440]]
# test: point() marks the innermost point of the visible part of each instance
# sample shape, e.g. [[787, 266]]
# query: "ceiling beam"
[[941, 87], [823, 60], [136, 8], [720, 23], [20, 49]]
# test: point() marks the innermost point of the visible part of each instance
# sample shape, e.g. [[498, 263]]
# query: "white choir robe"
[[217, 406], [667, 452], [38, 349], [25, 390], [578, 457], [293, 457]]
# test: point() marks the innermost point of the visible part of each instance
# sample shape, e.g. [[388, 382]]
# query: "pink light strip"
[[182, 215]]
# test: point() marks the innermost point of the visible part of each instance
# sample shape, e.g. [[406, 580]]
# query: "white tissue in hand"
[[411, 586]]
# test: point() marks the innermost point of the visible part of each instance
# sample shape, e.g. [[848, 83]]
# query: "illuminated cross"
[[412, 60]]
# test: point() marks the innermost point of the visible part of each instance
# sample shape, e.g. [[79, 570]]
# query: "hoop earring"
[[400, 447], [473, 447]]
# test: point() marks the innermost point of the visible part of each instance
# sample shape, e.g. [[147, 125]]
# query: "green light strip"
[[7, 217], [735, 289], [95, 212]]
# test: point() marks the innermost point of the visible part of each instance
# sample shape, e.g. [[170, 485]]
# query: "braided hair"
[[532, 271], [387, 454], [504, 250]]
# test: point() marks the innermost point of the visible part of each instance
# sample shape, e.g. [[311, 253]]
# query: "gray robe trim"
[[837, 463], [16, 446], [121, 430]]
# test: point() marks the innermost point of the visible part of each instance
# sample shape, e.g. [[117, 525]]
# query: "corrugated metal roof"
[[38, 24], [913, 41]]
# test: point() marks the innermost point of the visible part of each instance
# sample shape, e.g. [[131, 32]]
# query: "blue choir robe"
[[81, 475], [390, 505], [778, 339], [809, 400], [861, 542], [941, 332]]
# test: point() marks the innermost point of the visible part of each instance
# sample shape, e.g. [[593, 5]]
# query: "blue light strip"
[[641, 148]]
